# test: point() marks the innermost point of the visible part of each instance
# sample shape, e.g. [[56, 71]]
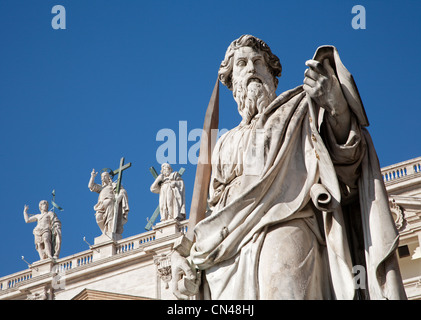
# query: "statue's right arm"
[[92, 185], [182, 268], [26, 217], [156, 186]]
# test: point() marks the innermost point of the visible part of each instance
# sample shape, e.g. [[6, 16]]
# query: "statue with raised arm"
[[296, 197], [47, 232], [109, 204], [170, 187]]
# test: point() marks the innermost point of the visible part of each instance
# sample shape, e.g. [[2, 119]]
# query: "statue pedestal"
[[42, 267], [104, 245], [166, 228], [105, 237]]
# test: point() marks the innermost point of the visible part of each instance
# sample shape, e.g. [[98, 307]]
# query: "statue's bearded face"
[[252, 83], [105, 178], [166, 170]]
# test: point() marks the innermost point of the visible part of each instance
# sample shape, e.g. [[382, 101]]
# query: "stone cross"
[[119, 171]]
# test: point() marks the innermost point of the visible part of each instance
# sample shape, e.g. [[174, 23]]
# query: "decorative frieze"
[[163, 267]]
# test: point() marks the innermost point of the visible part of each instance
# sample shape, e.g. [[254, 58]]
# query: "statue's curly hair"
[[225, 70]]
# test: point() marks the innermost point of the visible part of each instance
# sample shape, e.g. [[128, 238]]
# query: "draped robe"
[[285, 168], [171, 198], [104, 209]]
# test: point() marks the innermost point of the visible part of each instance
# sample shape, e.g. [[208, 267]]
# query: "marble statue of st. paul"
[[296, 196]]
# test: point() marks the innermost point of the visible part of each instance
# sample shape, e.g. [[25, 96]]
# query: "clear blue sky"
[[81, 98]]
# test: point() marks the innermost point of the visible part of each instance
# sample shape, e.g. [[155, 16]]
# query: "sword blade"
[[203, 171]]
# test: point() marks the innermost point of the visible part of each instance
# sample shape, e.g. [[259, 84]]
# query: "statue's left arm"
[[340, 130], [322, 85], [124, 200]]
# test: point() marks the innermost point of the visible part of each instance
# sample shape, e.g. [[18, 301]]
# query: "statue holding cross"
[[170, 187], [112, 207]]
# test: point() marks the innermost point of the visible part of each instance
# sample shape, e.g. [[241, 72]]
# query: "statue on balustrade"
[[170, 187], [111, 210], [47, 232]]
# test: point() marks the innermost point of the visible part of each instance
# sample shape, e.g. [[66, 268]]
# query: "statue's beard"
[[252, 98]]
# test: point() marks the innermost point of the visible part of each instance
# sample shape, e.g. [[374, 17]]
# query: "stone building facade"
[[139, 267], [132, 268], [403, 184]]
